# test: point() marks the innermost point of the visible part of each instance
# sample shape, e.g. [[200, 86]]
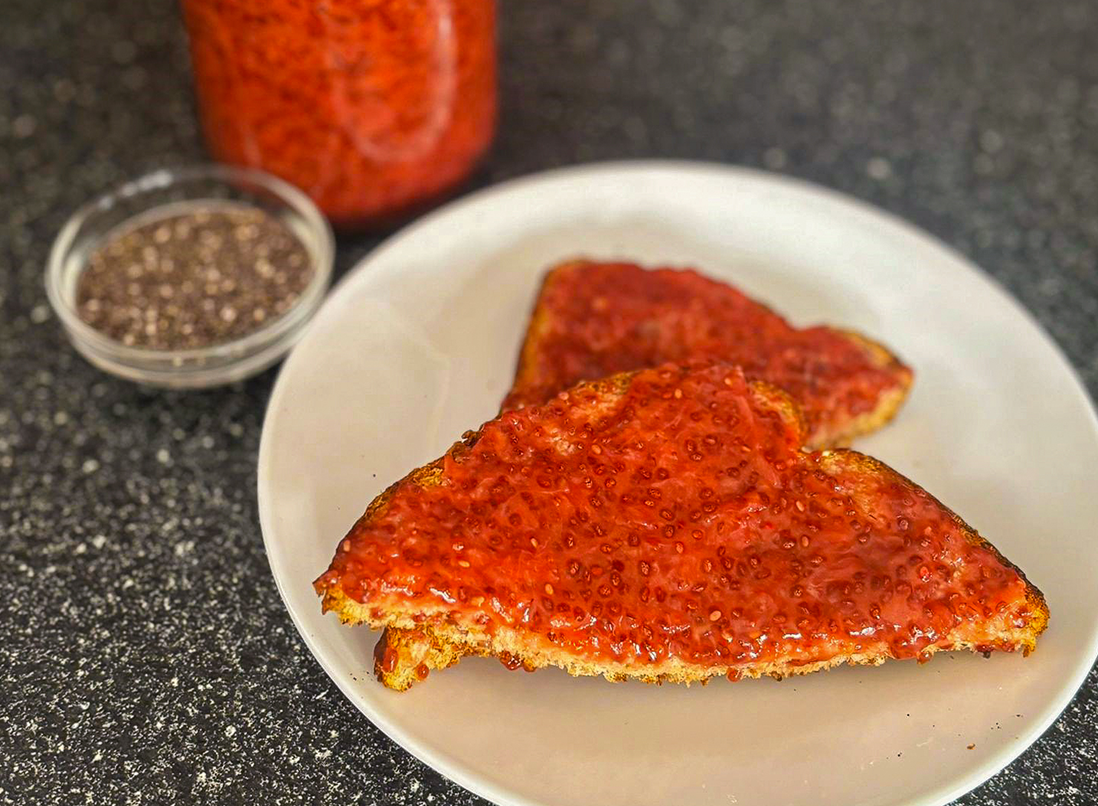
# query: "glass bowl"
[[218, 363]]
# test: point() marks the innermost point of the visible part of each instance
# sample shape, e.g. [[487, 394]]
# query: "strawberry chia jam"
[[372, 107], [680, 521]]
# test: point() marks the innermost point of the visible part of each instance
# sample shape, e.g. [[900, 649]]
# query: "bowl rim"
[[114, 351]]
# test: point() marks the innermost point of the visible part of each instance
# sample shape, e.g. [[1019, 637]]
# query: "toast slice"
[[666, 525], [594, 319]]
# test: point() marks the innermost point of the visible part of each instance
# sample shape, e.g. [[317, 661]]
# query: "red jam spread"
[[595, 319], [677, 518], [372, 107]]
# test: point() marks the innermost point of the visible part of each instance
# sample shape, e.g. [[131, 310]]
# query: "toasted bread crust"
[[403, 657], [437, 644], [889, 403], [535, 331]]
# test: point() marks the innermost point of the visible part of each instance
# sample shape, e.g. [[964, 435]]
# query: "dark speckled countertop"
[[145, 656]]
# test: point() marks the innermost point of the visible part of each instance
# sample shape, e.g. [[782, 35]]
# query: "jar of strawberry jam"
[[373, 107]]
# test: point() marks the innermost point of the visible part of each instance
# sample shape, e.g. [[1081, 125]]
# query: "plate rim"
[[890, 223]]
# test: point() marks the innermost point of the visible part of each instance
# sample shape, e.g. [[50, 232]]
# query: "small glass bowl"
[[220, 363]]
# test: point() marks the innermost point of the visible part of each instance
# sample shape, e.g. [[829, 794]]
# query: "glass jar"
[[373, 107]]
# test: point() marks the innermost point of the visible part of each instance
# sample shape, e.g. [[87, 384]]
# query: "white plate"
[[419, 343]]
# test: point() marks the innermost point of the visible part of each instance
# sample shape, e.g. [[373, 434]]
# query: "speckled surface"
[[145, 657]]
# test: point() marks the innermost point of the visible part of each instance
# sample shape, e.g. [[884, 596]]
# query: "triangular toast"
[[666, 525], [594, 319]]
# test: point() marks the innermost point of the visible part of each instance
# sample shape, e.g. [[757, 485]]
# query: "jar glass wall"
[[372, 107]]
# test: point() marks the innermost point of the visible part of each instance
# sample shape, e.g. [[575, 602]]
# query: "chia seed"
[[184, 280]]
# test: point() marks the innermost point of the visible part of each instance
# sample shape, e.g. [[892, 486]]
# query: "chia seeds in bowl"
[[190, 278]]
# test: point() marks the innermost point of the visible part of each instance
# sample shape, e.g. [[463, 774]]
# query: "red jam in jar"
[[372, 107]]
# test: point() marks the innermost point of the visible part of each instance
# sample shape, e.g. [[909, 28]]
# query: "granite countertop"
[[145, 655]]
